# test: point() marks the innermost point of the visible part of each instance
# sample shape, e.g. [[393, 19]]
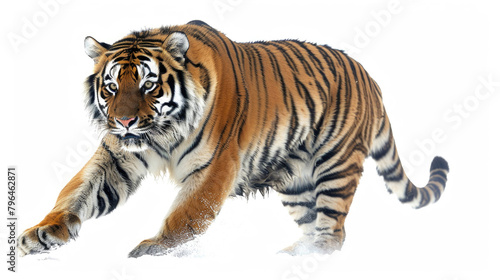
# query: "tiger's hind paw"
[[320, 246], [297, 249], [149, 247]]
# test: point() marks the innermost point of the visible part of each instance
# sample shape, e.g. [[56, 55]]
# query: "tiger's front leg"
[[105, 181], [195, 207]]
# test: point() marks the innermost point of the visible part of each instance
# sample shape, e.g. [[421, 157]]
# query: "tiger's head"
[[141, 90]]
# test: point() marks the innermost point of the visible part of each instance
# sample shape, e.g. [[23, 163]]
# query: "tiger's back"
[[303, 100]]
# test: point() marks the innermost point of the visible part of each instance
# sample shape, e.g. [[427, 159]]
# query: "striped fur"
[[226, 118]]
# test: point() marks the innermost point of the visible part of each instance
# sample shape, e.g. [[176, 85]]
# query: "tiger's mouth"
[[133, 142], [129, 136]]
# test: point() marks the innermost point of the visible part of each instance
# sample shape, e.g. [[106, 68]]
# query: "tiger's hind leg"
[[300, 202], [333, 201], [335, 188], [320, 208]]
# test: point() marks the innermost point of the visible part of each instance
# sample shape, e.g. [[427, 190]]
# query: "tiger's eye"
[[148, 85], [113, 87]]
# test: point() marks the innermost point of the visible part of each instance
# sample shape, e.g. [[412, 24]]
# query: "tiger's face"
[[140, 88]]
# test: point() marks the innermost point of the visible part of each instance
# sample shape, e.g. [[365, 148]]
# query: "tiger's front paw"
[[55, 230], [151, 246]]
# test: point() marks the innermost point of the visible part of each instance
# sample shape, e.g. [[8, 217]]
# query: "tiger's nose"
[[127, 122]]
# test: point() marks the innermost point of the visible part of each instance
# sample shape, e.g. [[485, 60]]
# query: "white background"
[[431, 60]]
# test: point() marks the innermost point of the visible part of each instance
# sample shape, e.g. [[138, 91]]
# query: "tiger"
[[226, 119]]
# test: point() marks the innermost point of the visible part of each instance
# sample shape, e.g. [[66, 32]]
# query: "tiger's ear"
[[177, 45], [94, 49]]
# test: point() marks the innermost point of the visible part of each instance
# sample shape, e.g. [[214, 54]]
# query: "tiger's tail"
[[389, 166]]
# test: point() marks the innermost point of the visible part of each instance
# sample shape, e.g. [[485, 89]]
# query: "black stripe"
[[269, 142], [116, 60], [171, 84], [348, 171], [142, 159], [329, 61], [182, 84], [389, 170], [334, 124], [438, 179], [382, 127], [322, 228], [43, 243], [309, 204], [395, 177], [261, 82], [162, 68], [289, 60], [354, 73], [339, 192], [101, 204], [292, 127], [239, 112], [425, 199], [439, 174], [112, 195], [393, 173], [411, 193], [330, 153], [143, 58], [172, 106], [323, 94], [91, 90], [193, 145], [123, 174], [202, 167], [198, 137], [332, 213], [312, 57], [298, 190], [204, 77], [299, 57], [309, 103], [279, 76], [307, 219], [381, 152], [435, 189], [274, 62], [160, 151]]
